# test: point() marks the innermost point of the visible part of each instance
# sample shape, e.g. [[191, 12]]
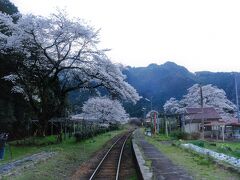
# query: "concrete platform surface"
[[162, 167]]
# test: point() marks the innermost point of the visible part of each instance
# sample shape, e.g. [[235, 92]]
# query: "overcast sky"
[[198, 34]]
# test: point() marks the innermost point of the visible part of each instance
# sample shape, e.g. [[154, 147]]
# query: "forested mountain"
[[162, 82], [7, 7], [223, 80]]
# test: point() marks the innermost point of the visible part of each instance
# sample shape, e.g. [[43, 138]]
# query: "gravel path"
[[15, 167], [162, 167]]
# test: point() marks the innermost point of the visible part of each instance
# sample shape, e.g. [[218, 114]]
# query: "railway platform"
[[161, 166]]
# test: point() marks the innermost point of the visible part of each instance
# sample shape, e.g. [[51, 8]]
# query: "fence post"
[[166, 127], [52, 126]]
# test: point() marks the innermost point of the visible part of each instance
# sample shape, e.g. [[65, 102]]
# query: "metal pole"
[[236, 91]]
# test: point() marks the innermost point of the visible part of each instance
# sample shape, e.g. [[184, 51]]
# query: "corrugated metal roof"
[[231, 121]]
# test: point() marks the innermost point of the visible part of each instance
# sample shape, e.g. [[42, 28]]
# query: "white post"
[[223, 132], [166, 126], [158, 122], [74, 128]]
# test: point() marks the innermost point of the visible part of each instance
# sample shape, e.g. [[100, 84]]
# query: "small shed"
[[232, 128], [226, 128], [193, 118]]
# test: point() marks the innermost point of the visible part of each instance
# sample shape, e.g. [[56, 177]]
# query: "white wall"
[[190, 128]]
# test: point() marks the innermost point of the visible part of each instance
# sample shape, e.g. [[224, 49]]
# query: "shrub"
[[195, 135], [88, 133], [162, 137], [236, 152], [176, 143], [198, 143], [212, 144], [114, 126], [180, 135], [36, 141], [224, 149]]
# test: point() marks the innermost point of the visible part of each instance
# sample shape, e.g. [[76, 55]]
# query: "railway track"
[[110, 165]]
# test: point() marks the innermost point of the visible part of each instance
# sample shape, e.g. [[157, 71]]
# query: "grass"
[[134, 177], [37, 141], [228, 148], [199, 167], [20, 148], [18, 152], [162, 137], [69, 156], [148, 163]]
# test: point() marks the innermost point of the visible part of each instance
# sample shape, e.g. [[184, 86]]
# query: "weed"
[[148, 163], [198, 143]]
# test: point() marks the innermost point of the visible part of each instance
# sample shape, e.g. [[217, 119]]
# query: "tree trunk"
[[43, 126]]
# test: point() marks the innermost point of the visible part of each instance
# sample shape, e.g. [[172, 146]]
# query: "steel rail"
[[99, 165], [120, 157]]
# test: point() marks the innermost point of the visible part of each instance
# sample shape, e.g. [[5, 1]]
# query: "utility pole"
[[236, 91], [151, 103], [202, 121], [144, 113]]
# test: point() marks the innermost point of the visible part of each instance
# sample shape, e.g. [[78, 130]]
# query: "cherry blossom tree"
[[171, 106], [104, 110], [57, 55], [212, 97]]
